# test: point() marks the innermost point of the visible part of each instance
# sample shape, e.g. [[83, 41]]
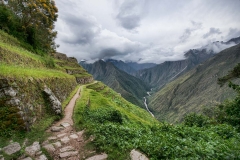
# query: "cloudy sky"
[[143, 30]]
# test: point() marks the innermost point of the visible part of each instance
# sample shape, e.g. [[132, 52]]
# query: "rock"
[[68, 154], [10, 92], [80, 133], [136, 155], [55, 103], [98, 157], [1, 157], [65, 139], [12, 148], [73, 136], [67, 148], [45, 143], [13, 101], [56, 129], [52, 138], [42, 157], [65, 124], [38, 153], [57, 144], [27, 158], [49, 148], [61, 135], [31, 150]]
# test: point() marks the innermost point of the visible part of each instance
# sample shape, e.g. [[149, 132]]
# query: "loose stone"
[[42, 157], [56, 129], [65, 124], [67, 148], [12, 148], [68, 154], [98, 157], [65, 139], [49, 148], [57, 144], [52, 138], [31, 150], [73, 136], [61, 135]]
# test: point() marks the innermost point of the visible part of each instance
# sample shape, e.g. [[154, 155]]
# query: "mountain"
[[196, 89], [130, 67], [130, 87], [122, 66], [164, 73]]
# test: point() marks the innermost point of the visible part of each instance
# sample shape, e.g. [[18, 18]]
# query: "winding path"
[[65, 142]]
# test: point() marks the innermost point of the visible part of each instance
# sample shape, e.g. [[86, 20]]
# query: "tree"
[[37, 19], [229, 111]]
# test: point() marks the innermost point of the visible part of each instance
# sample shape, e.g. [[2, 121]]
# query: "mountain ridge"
[[130, 87], [196, 88]]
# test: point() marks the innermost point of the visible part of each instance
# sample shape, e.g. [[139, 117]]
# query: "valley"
[[119, 80], [176, 87]]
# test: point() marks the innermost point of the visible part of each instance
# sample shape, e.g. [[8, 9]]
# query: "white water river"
[[145, 103]]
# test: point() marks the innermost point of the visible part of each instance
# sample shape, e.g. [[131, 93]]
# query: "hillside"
[[117, 127], [130, 87], [32, 86], [130, 67], [164, 73], [196, 89]]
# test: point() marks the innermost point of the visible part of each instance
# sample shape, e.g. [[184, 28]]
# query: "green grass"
[[83, 75], [118, 127], [23, 72]]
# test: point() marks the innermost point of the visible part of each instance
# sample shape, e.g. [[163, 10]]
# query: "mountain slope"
[[130, 87], [130, 67], [118, 127], [163, 73], [196, 88]]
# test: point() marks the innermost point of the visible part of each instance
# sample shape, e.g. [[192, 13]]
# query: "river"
[[145, 103]]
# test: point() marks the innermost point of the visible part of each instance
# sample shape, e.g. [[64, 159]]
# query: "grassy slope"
[[196, 89], [31, 70], [118, 127], [130, 87]]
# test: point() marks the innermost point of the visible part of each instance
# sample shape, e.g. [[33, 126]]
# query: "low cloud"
[[218, 46], [212, 31]]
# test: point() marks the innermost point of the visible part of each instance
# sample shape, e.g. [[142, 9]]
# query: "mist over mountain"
[[163, 73], [130, 87], [195, 89]]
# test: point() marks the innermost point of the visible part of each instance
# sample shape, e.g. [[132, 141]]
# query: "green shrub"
[[194, 119]]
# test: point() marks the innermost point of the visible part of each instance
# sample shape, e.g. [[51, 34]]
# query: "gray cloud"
[[212, 31], [130, 14], [187, 33], [233, 32], [82, 29], [146, 31]]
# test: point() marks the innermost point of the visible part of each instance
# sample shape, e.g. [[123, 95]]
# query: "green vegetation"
[[118, 127], [35, 27], [20, 72]]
